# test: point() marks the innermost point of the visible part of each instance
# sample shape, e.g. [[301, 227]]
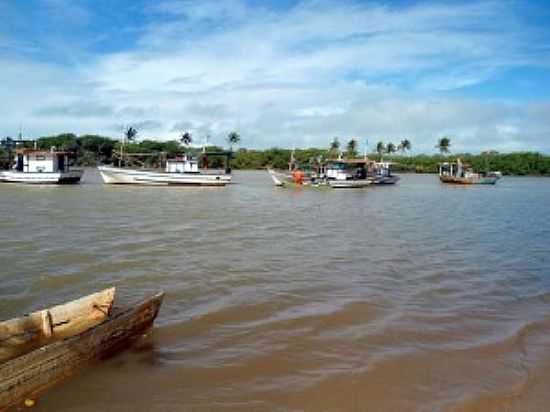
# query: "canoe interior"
[[22, 335]]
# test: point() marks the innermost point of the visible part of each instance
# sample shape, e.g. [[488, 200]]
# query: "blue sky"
[[286, 73]]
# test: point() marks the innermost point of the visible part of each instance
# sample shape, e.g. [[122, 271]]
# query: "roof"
[[350, 161], [26, 150]]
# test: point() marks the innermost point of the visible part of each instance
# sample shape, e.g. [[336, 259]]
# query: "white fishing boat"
[[183, 171], [41, 167], [347, 173]]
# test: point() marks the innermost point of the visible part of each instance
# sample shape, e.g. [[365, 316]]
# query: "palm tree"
[[233, 138], [443, 145], [390, 148], [351, 149], [130, 133], [334, 147], [380, 148], [404, 146], [186, 138]]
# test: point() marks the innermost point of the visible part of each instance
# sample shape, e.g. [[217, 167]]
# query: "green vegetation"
[[90, 150], [4, 159]]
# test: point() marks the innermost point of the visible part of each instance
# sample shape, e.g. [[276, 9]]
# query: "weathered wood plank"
[[33, 372], [21, 335]]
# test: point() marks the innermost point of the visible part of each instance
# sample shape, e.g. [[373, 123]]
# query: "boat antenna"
[[366, 148], [20, 131]]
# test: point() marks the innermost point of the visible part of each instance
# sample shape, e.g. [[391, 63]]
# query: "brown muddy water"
[[418, 297]]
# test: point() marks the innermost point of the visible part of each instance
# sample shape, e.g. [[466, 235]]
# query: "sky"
[[282, 73]]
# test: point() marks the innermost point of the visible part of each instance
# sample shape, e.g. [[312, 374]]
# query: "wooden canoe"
[[29, 374], [22, 335]]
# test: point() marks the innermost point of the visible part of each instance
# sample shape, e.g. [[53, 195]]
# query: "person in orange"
[[298, 177]]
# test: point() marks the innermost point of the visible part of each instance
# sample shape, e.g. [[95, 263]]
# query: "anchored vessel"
[[45, 347], [458, 173], [42, 167], [381, 174], [337, 174], [183, 170], [347, 174]]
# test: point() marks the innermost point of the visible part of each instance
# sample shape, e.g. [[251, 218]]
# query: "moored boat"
[[382, 174], [33, 372], [460, 174], [181, 171], [347, 173], [119, 175], [335, 174], [34, 166]]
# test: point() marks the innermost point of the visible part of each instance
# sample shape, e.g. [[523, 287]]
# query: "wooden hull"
[[71, 177], [488, 180], [118, 175], [27, 375], [22, 335]]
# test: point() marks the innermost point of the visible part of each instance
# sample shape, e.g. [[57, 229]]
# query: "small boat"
[[41, 167], [458, 173], [332, 174], [25, 376], [382, 174], [179, 171], [21, 335]]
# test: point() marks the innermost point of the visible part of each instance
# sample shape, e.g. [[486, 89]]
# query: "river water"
[[418, 297]]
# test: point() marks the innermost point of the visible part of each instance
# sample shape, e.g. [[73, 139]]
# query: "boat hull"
[[70, 177], [22, 335], [27, 375], [385, 180], [117, 175], [283, 180], [349, 184], [488, 180]]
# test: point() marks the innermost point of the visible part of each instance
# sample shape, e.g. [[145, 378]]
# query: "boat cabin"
[[41, 161], [346, 169], [383, 169], [183, 164], [455, 169]]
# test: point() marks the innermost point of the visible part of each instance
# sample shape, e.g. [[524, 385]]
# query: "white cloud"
[[295, 77]]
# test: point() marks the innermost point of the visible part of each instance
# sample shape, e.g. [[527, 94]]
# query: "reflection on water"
[[418, 297]]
